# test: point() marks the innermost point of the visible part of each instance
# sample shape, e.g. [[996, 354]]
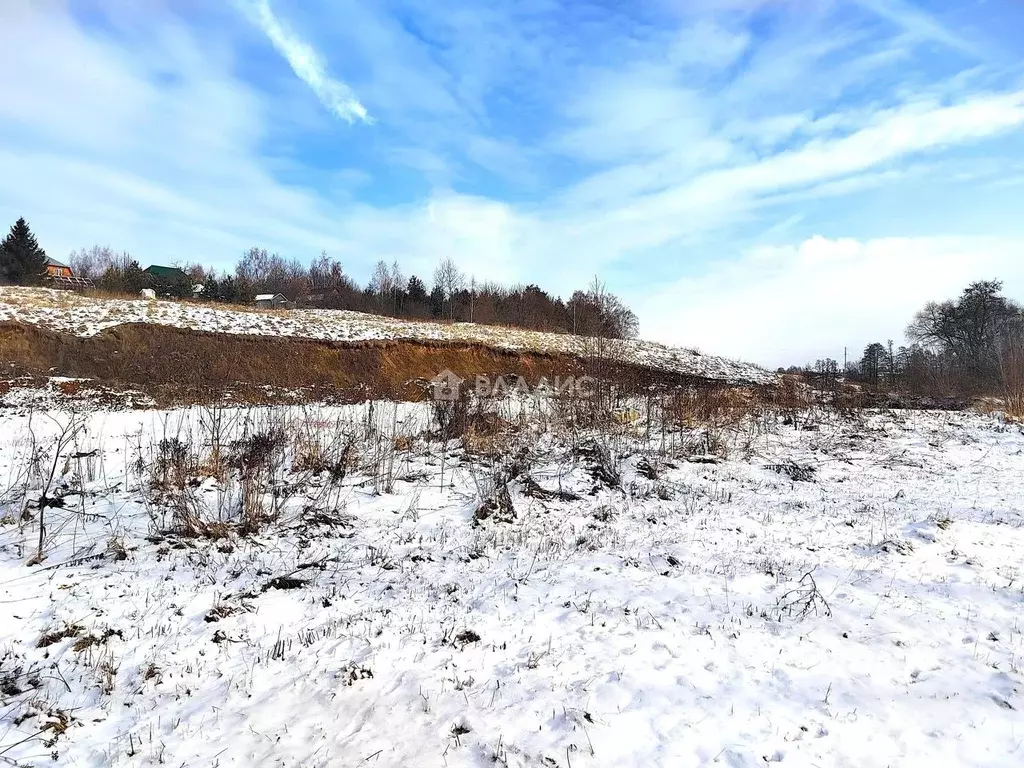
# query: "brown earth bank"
[[175, 365]]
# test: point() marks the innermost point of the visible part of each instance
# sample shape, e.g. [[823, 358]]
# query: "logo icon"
[[446, 385]]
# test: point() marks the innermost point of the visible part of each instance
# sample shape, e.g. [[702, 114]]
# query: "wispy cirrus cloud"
[[531, 140], [307, 64], [921, 25]]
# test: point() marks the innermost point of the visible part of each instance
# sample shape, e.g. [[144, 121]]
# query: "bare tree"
[[397, 287], [326, 274], [380, 280], [92, 263], [600, 313], [382, 285], [450, 280]]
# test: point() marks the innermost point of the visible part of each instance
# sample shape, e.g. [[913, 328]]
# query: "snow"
[[63, 392], [87, 316], [721, 614]]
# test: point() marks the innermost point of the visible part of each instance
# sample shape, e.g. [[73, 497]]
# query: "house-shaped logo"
[[446, 385]]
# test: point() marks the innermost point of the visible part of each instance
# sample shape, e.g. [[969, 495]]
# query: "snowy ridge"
[[87, 316]]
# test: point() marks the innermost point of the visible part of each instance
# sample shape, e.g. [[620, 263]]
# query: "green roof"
[[158, 271]]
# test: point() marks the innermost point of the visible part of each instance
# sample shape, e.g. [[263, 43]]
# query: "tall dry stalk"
[[1012, 365]]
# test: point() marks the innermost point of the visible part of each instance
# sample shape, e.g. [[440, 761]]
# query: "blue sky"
[[764, 179]]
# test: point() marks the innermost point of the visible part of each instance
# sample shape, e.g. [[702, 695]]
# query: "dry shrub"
[[467, 417], [849, 398], [172, 482], [486, 434], [314, 454], [496, 505], [1013, 383], [597, 457], [215, 465], [710, 405], [175, 463], [56, 635], [215, 425], [258, 459], [577, 412], [452, 416], [791, 395], [988, 406], [260, 451]]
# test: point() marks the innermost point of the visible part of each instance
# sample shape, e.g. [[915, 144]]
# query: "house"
[[60, 276], [271, 301], [56, 268], [165, 275], [168, 281]]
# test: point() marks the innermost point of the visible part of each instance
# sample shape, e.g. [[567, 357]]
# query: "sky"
[[771, 180]]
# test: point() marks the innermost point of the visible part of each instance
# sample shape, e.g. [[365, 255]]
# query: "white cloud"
[[157, 146], [795, 304], [920, 24], [634, 113], [893, 134], [105, 151], [708, 44], [307, 64]]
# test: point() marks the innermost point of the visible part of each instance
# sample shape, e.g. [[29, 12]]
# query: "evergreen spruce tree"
[[22, 261]]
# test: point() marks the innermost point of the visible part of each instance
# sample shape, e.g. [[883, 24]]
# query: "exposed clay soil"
[[175, 365]]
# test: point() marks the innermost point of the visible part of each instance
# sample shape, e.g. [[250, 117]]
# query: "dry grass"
[[710, 406], [55, 636], [488, 434], [1012, 370]]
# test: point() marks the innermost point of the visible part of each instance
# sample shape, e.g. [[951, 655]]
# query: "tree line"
[[323, 284], [970, 345], [450, 295]]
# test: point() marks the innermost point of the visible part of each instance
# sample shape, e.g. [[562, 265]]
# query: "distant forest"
[[970, 345], [451, 294]]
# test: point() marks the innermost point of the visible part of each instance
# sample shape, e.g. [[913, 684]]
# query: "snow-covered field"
[[846, 594], [85, 316]]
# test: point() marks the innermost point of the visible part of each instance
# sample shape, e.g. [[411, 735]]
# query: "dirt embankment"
[[174, 365]]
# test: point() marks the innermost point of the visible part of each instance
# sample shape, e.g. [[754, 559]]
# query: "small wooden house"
[[271, 301], [56, 268], [60, 276]]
